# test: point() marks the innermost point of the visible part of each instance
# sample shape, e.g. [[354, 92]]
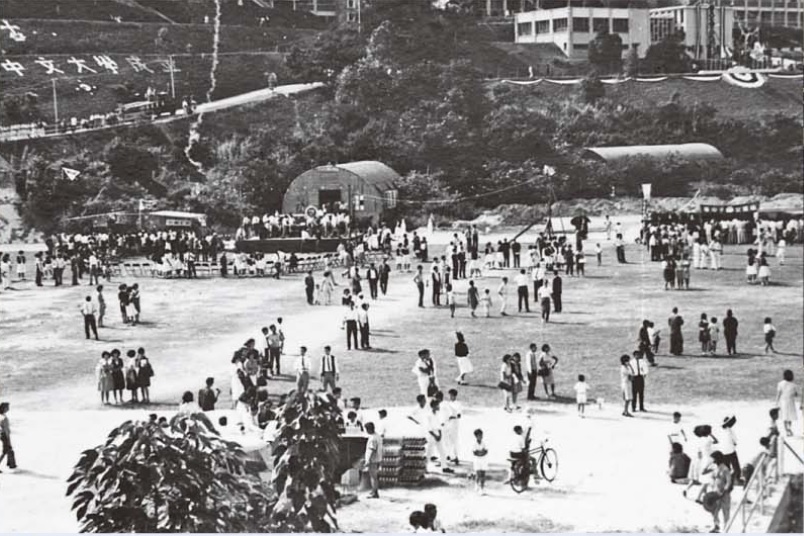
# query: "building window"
[[542, 26], [600, 25], [351, 17], [619, 25], [580, 24], [560, 25], [390, 198], [524, 29], [351, 4]]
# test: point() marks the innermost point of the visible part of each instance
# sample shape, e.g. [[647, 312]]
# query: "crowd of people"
[[116, 375]]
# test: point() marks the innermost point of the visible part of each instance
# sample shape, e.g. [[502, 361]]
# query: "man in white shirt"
[[373, 458], [544, 294], [435, 435], [88, 310], [363, 326], [532, 370], [522, 290], [638, 372], [303, 368], [329, 370], [453, 410], [503, 293]]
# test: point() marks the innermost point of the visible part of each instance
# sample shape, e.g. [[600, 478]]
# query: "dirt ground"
[[190, 329]]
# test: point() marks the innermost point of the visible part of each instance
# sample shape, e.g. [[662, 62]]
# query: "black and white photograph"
[[401, 266]]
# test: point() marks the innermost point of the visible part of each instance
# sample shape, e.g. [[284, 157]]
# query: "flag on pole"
[[70, 174]]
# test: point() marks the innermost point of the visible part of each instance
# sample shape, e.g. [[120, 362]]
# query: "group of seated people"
[[322, 225]]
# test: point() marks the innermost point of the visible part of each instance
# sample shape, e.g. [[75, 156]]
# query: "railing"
[[765, 474], [769, 470]]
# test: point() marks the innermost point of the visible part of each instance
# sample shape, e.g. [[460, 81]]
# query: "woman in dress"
[[506, 384], [472, 297], [547, 362], [462, 357], [326, 288], [751, 271], [669, 268], [103, 371], [132, 382], [144, 374], [786, 393], [118, 377], [764, 271], [703, 334], [625, 383], [480, 459]]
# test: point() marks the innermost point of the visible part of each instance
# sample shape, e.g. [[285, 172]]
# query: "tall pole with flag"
[[139, 215], [646, 188]]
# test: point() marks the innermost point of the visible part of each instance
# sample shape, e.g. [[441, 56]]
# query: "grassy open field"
[[191, 327]]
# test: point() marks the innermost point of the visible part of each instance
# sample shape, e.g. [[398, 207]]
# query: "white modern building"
[[695, 22], [573, 28], [755, 13]]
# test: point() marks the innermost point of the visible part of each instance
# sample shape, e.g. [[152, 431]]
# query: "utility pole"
[[172, 79], [55, 101], [359, 18]]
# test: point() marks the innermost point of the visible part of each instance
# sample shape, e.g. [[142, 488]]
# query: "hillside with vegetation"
[[406, 92]]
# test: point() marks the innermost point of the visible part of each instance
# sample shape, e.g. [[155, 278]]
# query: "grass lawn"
[[190, 329]]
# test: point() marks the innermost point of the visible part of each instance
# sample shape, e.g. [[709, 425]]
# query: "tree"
[[182, 478], [668, 55], [605, 53], [306, 456], [131, 163]]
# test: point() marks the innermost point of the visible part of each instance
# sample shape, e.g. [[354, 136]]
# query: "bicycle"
[[542, 459]]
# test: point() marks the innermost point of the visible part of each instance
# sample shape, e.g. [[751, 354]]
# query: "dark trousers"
[[75, 277], [351, 333], [507, 259], [421, 294], [557, 302], [8, 452], [536, 286], [731, 344], [94, 275], [191, 270], [532, 379], [516, 260], [373, 288], [436, 294], [638, 391], [733, 462], [58, 273], [364, 336], [89, 324], [273, 359], [546, 309], [309, 292], [383, 286], [38, 277], [621, 254], [522, 293]]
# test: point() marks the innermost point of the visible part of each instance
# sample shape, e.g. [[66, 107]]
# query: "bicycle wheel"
[[548, 465], [520, 477]]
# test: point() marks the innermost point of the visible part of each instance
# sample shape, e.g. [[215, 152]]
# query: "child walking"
[[714, 335], [599, 254], [770, 333], [480, 461], [485, 303], [581, 391]]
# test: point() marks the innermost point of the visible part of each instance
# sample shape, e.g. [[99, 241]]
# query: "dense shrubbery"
[[460, 145]]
